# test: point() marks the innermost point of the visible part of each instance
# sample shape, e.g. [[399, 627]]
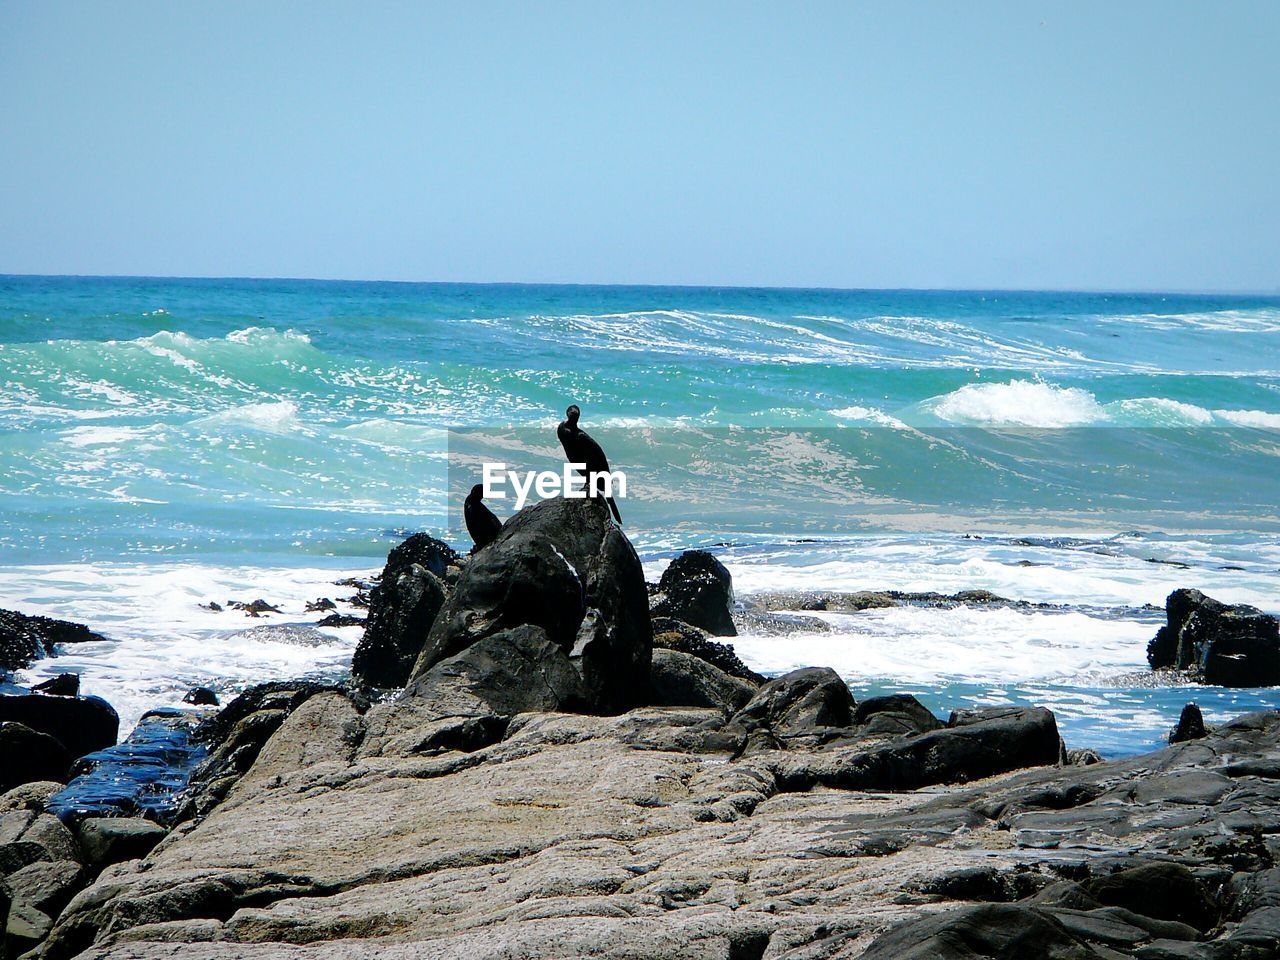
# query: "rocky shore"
[[541, 756]]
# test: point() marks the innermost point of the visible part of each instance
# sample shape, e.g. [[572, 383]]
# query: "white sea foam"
[[268, 334], [160, 642], [974, 644], [1027, 403], [1033, 403], [280, 416], [870, 414], [102, 388], [96, 436], [1158, 411], [1250, 418], [1254, 320]]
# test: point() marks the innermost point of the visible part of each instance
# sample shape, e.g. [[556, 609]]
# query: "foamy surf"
[[161, 642]]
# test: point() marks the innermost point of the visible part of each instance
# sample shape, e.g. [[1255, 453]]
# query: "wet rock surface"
[[697, 589], [1229, 645], [143, 776], [24, 638]]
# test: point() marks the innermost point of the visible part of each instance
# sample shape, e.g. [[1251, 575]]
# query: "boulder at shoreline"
[[1223, 644]]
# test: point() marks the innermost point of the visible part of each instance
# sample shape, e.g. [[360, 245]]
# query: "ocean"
[[167, 443]]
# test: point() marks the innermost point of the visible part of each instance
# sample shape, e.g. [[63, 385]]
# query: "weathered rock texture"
[[640, 836], [1230, 645], [697, 589], [402, 608], [562, 567]]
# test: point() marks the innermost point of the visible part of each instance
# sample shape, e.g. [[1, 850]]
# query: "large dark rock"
[[25, 638], [402, 609], [697, 589], [81, 724], [27, 755], [799, 703], [683, 680], [426, 551], [1164, 891], [1229, 645], [1190, 725], [563, 566], [995, 931], [677, 635], [515, 671], [974, 744], [895, 713], [46, 885]]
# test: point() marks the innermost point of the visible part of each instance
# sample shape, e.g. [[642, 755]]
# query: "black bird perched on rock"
[[63, 685], [579, 447], [483, 525]]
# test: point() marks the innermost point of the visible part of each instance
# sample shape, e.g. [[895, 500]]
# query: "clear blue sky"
[[1064, 145]]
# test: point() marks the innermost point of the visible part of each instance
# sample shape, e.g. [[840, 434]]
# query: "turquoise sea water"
[[165, 442]]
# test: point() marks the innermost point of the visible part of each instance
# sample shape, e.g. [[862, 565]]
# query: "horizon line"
[[1119, 291]]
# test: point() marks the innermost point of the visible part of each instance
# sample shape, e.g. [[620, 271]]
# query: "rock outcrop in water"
[[697, 589], [672, 634], [25, 638], [1229, 645]]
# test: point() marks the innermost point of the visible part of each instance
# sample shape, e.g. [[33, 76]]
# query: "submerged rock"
[[201, 697], [63, 685], [697, 589], [341, 620], [1228, 645], [254, 608]]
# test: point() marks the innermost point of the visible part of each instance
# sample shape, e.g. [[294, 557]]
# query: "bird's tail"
[[616, 515]]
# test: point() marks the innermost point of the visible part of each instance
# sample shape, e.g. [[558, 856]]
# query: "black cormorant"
[[482, 523], [580, 448]]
